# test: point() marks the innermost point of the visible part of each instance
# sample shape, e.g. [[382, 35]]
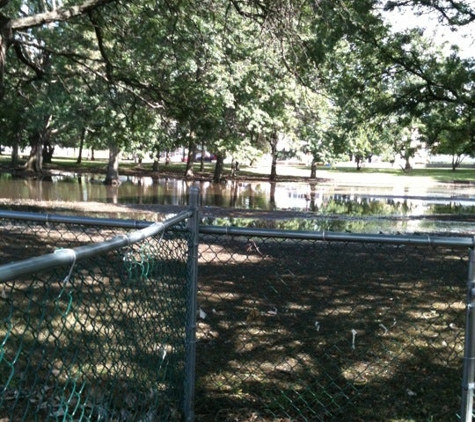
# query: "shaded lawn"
[[277, 340]]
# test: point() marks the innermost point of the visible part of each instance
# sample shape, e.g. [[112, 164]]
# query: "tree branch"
[[454, 12], [21, 56], [100, 43], [239, 9], [59, 15]]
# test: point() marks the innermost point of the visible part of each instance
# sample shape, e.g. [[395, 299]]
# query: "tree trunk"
[[112, 175], [35, 160], [5, 39], [234, 194], [311, 204], [218, 168], [190, 159], [81, 145], [202, 158], [16, 150], [47, 152], [15, 154], [456, 161], [272, 196], [156, 160], [273, 146], [313, 169]]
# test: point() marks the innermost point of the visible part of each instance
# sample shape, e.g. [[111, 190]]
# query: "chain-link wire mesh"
[[101, 339], [289, 330], [25, 238], [305, 330]]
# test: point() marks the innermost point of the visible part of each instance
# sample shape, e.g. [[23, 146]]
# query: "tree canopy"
[[235, 77]]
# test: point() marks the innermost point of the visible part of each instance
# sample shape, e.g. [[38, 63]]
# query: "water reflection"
[[321, 199]]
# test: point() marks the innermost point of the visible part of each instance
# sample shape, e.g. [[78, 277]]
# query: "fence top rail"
[[87, 221], [396, 239], [70, 256]]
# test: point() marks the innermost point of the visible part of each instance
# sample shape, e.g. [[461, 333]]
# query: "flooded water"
[[382, 206]]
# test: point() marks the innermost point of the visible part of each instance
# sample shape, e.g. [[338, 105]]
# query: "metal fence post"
[[190, 359], [468, 384]]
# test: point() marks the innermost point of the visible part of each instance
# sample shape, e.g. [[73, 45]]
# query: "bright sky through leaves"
[[464, 36]]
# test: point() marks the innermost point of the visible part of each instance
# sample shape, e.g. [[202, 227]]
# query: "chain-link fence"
[[101, 332], [25, 234], [343, 328], [292, 326]]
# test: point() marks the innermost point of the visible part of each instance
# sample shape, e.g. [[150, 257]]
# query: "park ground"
[[345, 174]]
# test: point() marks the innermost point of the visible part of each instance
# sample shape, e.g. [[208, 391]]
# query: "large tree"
[[38, 54], [18, 18]]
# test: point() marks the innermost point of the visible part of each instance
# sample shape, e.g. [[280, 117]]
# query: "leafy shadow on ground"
[[317, 331]]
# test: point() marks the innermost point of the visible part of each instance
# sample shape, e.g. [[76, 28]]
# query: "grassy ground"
[[276, 341], [284, 172], [437, 174]]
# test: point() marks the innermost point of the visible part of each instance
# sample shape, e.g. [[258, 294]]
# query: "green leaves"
[[321, 77]]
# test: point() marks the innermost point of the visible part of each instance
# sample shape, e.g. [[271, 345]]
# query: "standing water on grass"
[[326, 205]]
